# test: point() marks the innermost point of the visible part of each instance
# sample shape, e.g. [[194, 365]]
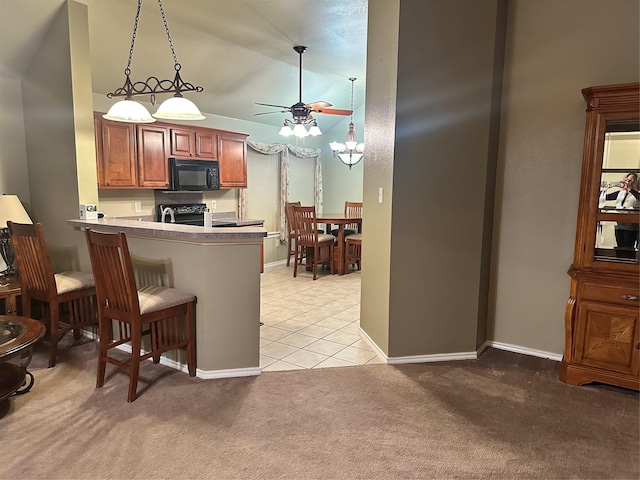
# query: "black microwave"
[[190, 175]]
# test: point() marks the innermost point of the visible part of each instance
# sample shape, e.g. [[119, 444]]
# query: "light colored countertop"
[[172, 230]]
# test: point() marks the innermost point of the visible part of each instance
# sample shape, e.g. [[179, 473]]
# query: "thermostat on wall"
[[88, 212]]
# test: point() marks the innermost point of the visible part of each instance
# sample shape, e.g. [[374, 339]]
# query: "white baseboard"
[[525, 351], [445, 357]]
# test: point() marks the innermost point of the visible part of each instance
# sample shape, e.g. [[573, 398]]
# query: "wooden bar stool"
[[67, 296], [150, 310]]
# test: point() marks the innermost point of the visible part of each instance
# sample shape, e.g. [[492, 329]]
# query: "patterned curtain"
[[284, 150]]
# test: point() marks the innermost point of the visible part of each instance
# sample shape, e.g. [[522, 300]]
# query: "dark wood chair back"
[[353, 209], [67, 299]]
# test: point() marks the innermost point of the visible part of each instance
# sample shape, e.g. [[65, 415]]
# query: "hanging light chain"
[[166, 28], [353, 79], [127, 71]]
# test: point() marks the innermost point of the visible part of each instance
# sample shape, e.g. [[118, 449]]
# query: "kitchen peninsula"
[[221, 266]]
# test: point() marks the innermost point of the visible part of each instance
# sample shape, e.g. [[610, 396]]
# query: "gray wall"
[[554, 50]]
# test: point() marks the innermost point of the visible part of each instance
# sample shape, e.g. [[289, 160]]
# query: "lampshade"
[[11, 209], [286, 131], [299, 131], [314, 131], [178, 108], [129, 110]]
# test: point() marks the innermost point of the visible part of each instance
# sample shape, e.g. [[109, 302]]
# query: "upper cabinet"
[[232, 149], [194, 143], [602, 318], [136, 156]]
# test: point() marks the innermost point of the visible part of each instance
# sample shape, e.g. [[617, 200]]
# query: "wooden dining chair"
[[312, 248], [353, 251], [67, 299], [149, 310], [351, 209], [290, 230]]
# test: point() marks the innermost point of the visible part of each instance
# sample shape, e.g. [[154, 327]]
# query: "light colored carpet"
[[503, 416]]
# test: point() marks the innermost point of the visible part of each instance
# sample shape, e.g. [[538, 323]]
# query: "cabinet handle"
[[630, 297], [638, 346]]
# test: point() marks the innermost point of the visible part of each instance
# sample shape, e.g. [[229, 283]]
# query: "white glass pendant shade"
[[130, 111], [337, 147], [299, 131], [178, 108], [286, 131], [360, 148]]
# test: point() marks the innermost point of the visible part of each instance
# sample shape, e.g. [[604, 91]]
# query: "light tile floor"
[[310, 324]]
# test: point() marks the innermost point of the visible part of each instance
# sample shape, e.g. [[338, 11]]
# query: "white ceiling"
[[240, 51]]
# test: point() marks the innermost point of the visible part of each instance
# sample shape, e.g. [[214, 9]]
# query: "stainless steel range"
[[185, 214]]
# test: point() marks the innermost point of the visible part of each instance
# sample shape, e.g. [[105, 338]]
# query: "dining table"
[[340, 220]]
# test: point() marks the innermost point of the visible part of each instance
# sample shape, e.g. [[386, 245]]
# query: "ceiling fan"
[[302, 111]]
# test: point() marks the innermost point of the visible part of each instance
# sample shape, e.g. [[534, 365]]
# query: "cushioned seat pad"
[[153, 298], [71, 281]]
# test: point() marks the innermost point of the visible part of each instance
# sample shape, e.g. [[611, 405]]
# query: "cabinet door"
[[232, 150], [97, 132], [153, 149], [206, 145], [607, 337], [183, 142], [118, 155]]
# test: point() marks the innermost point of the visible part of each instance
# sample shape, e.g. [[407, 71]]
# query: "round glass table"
[[17, 337]]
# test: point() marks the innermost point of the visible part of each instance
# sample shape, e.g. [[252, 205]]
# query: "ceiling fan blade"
[[320, 104], [332, 111], [268, 113], [272, 105]]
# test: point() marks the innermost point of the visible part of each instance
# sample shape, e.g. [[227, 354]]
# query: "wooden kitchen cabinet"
[[153, 149], [602, 324], [136, 156], [130, 155], [232, 149], [116, 153], [194, 143]]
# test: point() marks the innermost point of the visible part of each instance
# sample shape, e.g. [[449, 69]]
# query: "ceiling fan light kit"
[[174, 108], [301, 111], [350, 152]]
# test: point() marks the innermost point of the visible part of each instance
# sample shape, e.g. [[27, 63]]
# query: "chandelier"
[[175, 108], [350, 152]]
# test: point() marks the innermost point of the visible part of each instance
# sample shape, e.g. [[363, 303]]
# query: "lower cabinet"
[[604, 335]]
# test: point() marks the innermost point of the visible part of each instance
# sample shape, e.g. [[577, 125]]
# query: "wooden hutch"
[[602, 342]]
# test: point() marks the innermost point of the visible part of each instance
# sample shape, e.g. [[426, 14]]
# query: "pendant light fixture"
[[350, 152], [174, 108]]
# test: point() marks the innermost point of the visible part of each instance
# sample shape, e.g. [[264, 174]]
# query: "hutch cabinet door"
[[607, 337]]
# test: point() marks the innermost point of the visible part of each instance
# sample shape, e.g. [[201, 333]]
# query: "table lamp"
[[10, 209]]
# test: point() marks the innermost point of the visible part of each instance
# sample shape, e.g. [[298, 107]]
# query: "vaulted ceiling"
[[240, 51]]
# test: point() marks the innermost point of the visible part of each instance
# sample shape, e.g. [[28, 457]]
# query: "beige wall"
[[379, 139], [554, 49], [58, 126]]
